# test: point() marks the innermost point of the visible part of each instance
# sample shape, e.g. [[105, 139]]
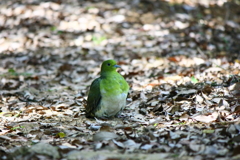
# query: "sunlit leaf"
[[194, 80]]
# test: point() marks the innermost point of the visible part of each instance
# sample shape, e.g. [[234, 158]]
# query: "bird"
[[108, 93]]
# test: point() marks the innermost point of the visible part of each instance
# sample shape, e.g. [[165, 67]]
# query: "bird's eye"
[[108, 64]]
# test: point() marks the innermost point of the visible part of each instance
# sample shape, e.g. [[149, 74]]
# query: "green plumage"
[[108, 93]]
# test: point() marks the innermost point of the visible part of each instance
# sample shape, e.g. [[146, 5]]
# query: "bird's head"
[[109, 65]]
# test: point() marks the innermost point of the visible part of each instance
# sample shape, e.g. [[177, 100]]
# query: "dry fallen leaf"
[[103, 135], [206, 118]]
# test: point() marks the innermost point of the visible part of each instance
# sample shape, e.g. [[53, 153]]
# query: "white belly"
[[111, 105]]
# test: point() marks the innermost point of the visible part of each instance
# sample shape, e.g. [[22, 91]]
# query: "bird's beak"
[[116, 66]]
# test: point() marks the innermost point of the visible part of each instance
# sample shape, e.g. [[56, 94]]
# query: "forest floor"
[[181, 60]]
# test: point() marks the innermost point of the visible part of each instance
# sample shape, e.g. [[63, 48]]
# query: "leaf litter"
[[181, 61]]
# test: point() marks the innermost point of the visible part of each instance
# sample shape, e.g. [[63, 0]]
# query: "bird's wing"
[[94, 98]]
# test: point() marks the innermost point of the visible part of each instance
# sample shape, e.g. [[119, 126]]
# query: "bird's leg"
[[120, 115]]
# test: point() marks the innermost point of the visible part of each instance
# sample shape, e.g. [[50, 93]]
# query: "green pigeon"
[[108, 93]]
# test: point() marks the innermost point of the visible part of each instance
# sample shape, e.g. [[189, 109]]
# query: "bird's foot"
[[120, 116]]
